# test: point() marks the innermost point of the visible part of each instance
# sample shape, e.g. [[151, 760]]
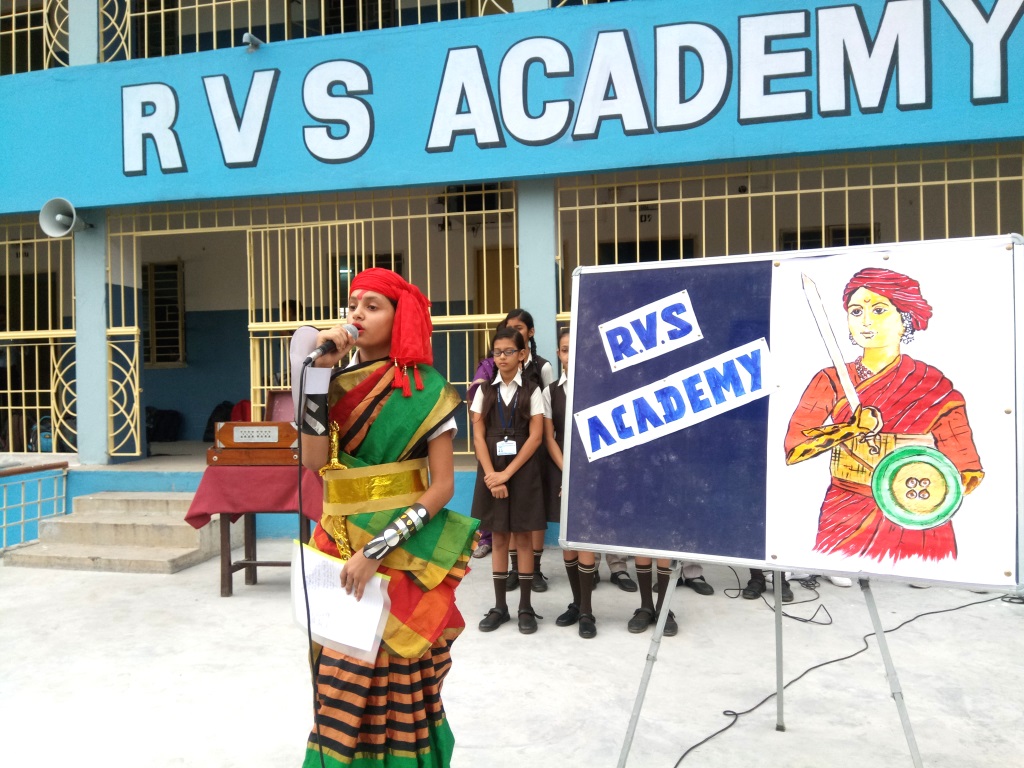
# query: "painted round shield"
[[917, 487]]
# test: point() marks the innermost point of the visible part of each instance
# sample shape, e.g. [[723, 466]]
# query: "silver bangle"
[[397, 532]]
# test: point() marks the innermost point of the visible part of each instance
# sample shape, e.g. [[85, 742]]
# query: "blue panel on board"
[[698, 489]]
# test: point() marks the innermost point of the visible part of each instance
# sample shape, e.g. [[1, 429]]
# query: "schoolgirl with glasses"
[[540, 372], [508, 427]]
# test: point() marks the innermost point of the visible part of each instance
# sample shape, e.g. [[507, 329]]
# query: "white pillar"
[[83, 31], [537, 215], [530, 5], [91, 374]]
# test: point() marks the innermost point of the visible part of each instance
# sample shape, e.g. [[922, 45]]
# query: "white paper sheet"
[[338, 621]]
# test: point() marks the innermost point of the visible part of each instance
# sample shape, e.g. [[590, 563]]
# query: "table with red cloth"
[[245, 491]]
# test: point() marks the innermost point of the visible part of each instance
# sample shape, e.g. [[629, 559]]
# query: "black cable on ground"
[[810, 584], [736, 715]]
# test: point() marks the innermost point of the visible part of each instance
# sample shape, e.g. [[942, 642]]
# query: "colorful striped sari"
[[389, 713]]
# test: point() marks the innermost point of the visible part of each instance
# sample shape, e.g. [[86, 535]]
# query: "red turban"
[[904, 293], [412, 329]]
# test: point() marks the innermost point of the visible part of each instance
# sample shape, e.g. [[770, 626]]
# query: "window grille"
[[149, 28], [27, 35], [163, 323], [836, 236]]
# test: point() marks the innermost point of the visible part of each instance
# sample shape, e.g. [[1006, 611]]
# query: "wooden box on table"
[[253, 443]]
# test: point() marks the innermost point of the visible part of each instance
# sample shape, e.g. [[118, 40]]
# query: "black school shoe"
[[512, 582], [588, 627], [570, 617], [787, 593], [540, 582], [642, 619], [698, 585], [527, 621], [756, 587], [622, 581], [671, 627], [494, 619]]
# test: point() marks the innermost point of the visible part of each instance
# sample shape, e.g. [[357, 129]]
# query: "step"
[[134, 503], [128, 532], [112, 509], [126, 529], [119, 559]]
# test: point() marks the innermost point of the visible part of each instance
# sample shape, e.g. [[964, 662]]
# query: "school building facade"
[[212, 173]]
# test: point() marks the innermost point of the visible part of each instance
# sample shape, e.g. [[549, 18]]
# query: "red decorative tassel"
[[402, 380]]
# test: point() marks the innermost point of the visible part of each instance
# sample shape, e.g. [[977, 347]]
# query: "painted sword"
[[829, 337]]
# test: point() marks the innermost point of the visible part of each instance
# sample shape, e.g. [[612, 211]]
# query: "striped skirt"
[[388, 714]]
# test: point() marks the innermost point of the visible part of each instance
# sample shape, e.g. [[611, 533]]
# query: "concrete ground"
[[128, 670]]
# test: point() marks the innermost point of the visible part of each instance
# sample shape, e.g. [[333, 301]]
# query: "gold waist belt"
[[855, 461], [372, 489]]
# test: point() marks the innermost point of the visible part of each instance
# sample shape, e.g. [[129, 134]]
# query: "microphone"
[[329, 346]]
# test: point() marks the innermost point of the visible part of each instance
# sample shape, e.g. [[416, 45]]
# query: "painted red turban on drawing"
[[904, 293], [412, 329]]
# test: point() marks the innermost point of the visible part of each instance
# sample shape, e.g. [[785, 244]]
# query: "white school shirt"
[[563, 382], [507, 392], [448, 426], [546, 374], [545, 378]]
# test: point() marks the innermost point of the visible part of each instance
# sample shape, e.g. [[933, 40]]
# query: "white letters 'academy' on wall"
[[672, 111], [843, 40], [987, 36], [848, 54], [760, 65], [612, 89], [556, 60], [465, 104]]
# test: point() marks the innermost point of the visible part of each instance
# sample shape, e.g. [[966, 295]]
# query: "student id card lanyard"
[[507, 447]]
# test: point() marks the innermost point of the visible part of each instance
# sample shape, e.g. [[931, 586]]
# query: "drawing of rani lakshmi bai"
[[909, 411]]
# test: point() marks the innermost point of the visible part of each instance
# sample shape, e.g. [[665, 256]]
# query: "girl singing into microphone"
[[388, 416]]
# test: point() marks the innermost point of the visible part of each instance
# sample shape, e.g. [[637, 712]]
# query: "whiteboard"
[[686, 377]]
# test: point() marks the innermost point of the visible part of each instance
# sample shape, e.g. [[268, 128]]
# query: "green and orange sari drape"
[[389, 713]]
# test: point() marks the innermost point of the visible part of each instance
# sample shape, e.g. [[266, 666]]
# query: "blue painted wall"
[[217, 349], [85, 482]]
